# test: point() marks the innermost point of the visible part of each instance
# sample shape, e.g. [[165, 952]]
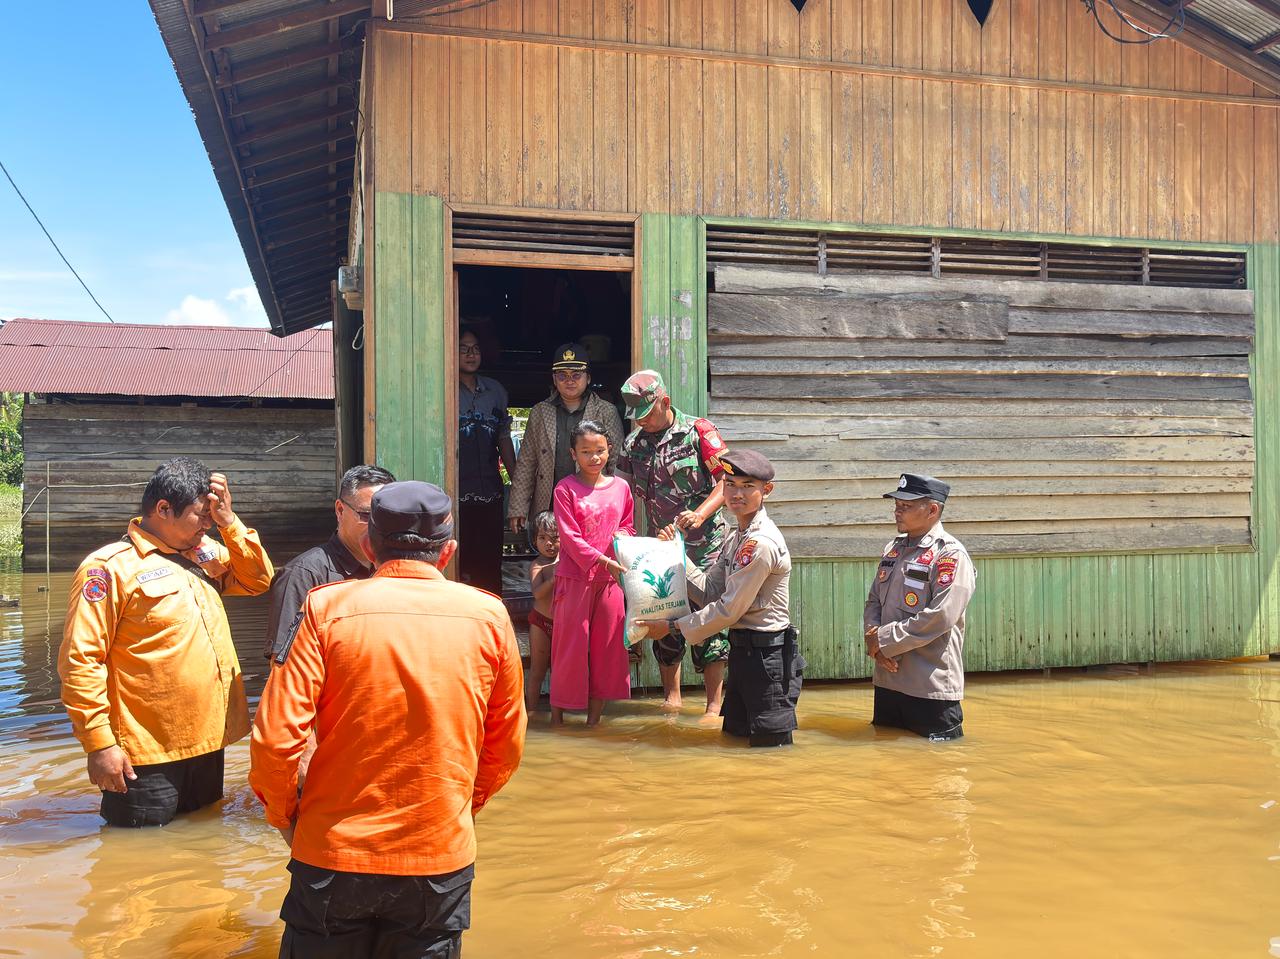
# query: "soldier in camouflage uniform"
[[672, 462]]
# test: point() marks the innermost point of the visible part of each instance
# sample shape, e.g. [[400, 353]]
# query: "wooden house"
[[864, 236], [106, 403]]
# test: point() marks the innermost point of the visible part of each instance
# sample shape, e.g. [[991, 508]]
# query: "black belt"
[[758, 639]]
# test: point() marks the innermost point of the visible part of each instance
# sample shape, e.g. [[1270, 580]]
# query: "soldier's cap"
[[412, 509], [570, 356], [747, 463], [914, 486], [641, 391]]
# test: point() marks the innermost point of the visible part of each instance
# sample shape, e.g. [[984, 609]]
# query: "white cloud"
[[198, 311], [245, 309], [245, 297]]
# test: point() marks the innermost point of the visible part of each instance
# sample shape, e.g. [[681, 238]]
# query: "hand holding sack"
[[653, 581]]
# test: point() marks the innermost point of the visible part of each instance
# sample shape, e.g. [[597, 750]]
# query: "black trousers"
[[349, 915], [163, 790], [937, 719], [480, 544], [766, 672]]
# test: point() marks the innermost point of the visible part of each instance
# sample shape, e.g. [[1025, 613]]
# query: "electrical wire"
[[55, 245], [1179, 18]]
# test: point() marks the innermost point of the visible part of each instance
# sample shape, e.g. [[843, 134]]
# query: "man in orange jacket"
[[414, 687], [149, 674]]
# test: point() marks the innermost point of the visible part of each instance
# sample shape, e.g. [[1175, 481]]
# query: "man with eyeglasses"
[[544, 452], [913, 620], [331, 562], [484, 433]]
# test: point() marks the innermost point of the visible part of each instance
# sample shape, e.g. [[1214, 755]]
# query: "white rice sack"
[[653, 580]]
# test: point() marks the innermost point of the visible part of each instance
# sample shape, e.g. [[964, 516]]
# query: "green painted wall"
[[1029, 612], [408, 326]]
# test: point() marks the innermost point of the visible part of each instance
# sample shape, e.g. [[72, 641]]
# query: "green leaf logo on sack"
[[661, 585]]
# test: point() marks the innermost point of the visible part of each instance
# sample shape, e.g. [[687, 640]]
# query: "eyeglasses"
[[361, 514], [469, 350], [565, 375]]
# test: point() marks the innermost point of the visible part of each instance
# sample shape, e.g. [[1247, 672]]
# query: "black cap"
[[913, 486], [412, 509], [748, 463], [570, 356]]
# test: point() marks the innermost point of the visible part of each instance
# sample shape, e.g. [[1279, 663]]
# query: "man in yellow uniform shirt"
[[150, 677]]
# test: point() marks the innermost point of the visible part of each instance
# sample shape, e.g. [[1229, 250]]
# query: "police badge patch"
[[745, 552], [912, 599]]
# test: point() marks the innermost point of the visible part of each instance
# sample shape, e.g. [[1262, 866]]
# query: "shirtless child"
[[542, 581]]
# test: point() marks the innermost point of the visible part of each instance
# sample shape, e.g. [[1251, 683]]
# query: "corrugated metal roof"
[[134, 359]]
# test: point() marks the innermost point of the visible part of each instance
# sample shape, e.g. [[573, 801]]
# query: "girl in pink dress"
[[589, 662]]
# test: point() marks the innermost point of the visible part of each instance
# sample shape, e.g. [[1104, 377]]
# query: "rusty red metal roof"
[[138, 359]]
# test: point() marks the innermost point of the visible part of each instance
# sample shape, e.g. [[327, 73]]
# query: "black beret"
[[414, 508], [749, 463], [914, 486]]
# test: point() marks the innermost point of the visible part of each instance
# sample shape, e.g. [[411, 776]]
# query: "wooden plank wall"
[[508, 115], [1069, 417], [279, 462]]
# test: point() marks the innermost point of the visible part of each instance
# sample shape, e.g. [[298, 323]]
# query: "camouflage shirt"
[[676, 470]]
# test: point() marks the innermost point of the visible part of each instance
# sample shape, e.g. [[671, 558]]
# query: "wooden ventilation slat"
[[826, 252], [1219, 270], [602, 238], [988, 257], [847, 253], [776, 247]]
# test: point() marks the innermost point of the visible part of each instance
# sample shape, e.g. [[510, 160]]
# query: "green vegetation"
[[10, 519], [11, 438]]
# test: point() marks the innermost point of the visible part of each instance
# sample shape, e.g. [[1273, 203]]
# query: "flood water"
[[1108, 813]]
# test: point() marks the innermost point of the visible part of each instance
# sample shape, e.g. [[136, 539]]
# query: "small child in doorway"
[[588, 659], [542, 581]]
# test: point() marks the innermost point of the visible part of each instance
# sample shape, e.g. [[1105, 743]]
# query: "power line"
[[55, 245]]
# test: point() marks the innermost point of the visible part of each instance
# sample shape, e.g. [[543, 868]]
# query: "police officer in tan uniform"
[[746, 591], [914, 616]]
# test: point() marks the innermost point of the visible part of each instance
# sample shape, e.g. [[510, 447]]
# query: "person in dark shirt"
[[484, 434], [338, 559]]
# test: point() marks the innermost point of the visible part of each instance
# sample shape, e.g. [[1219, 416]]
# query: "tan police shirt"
[[747, 586], [918, 599]]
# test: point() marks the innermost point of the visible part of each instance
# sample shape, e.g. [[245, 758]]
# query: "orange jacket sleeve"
[[87, 635], [250, 570], [504, 723], [286, 714]]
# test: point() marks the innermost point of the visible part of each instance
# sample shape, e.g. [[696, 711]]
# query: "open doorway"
[[520, 316]]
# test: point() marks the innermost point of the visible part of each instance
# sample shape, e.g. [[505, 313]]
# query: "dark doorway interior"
[[520, 316]]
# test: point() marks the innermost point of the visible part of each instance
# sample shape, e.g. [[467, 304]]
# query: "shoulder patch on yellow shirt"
[[96, 588]]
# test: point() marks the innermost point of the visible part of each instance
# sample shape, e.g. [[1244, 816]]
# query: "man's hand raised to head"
[[220, 500]]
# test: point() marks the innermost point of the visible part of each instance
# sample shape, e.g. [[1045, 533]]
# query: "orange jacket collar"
[[145, 542], [409, 569]]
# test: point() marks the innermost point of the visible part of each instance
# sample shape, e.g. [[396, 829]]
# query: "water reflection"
[[1113, 813]]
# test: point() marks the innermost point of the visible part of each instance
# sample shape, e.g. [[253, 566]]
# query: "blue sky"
[[96, 132]]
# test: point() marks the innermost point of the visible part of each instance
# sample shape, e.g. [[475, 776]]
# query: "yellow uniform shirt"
[[147, 660]]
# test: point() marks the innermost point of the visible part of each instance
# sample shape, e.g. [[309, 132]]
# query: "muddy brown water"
[[1110, 813]]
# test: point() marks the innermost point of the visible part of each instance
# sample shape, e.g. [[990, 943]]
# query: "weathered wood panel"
[[98, 458], [909, 315], [1099, 412], [754, 110]]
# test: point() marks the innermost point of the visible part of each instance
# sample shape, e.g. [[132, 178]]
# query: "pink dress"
[[588, 658]]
